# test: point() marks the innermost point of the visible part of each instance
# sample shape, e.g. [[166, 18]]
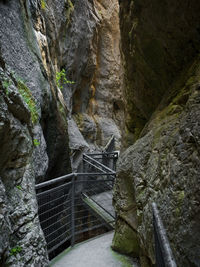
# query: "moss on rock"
[[69, 10], [125, 239], [28, 98]]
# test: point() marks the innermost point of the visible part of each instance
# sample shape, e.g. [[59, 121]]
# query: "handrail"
[[103, 153], [93, 165], [110, 145], [98, 163], [62, 195], [164, 256], [53, 181], [70, 175], [93, 174]]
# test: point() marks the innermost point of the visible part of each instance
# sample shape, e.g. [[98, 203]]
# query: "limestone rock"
[[162, 167], [33, 129], [160, 45], [159, 40], [125, 237], [91, 55], [22, 242], [36, 41]]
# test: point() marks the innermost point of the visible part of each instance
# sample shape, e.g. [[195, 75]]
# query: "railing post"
[[73, 211]]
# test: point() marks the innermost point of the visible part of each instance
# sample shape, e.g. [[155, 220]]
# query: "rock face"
[[160, 45], [159, 40], [43, 121], [33, 129], [91, 56], [21, 242]]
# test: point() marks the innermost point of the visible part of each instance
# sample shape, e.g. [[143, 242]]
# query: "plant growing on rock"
[[43, 4], [28, 98], [6, 85], [14, 251], [19, 187], [36, 142], [69, 10], [61, 79]]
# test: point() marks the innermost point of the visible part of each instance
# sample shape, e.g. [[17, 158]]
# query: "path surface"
[[93, 253]]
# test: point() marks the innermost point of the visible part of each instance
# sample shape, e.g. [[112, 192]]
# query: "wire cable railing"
[[70, 207]]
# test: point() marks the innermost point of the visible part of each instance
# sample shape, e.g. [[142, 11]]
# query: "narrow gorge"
[[74, 73]]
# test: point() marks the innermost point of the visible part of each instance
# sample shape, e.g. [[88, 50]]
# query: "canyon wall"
[[91, 55], [160, 45], [34, 135], [46, 125]]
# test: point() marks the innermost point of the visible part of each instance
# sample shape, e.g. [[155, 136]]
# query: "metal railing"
[[163, 253], [110, 147], [94, 162], [67, 205]]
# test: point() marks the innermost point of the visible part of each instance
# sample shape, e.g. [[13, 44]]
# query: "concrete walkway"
[[95, 252]]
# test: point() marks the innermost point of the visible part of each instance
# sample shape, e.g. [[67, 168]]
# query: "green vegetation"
[[28, 98], [125, 239], [36, 142], [181, 196], [69, 10], [6, 85], [14, 251], [43, 4], [19, 187], [61, 79]]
